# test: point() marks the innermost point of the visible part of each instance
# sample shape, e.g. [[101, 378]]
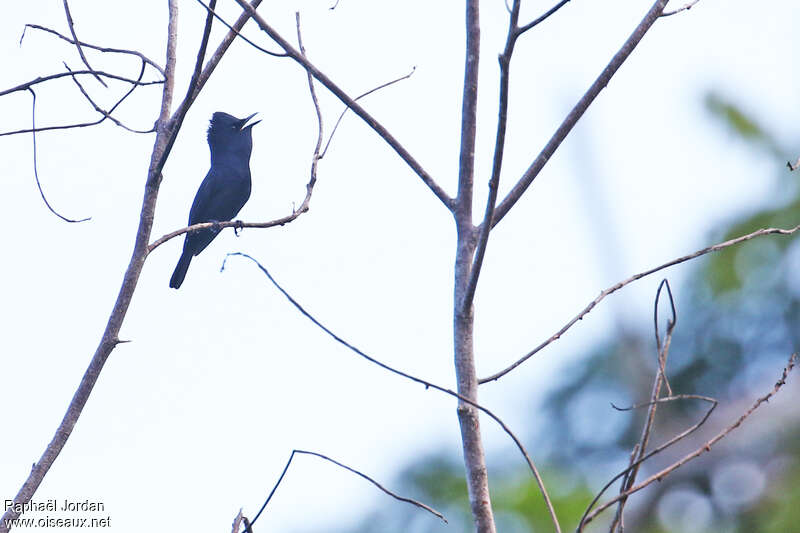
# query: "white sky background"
[[198, 414]]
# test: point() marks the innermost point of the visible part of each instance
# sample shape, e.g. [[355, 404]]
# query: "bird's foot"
[[238, 226]]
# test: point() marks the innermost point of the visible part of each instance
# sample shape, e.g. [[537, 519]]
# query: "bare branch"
[[211, 11], [577, 112], [41, 79], [98, 48], [359, 97], [685, 7], [542, 18], [36, 169], [617, 286], [497, 162], [660, 379], [201, 51], [425, 383], [349, 469], [357, 109], [658, 476], [110, 337], [78, 44], [463, 317], [107, 114]]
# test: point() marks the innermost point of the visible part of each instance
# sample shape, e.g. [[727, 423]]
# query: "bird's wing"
[[220, 197]]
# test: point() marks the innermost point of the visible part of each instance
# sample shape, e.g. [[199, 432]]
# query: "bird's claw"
[[238, 226]]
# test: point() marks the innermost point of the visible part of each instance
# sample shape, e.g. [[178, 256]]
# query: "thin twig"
[[685, 7], [347, 100], [670, 327], [658, 476], [107, 114], [577, 112], [41, 79], [425, 383], [349, 469], [497, 161], [201, 50], [36, 169], [542, 18], [103, 49], [660, 379], [659, 449], [210, 9], [617, 286], [78, 44], [359, 97]]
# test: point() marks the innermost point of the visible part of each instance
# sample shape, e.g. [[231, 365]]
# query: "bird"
[[225, 189]]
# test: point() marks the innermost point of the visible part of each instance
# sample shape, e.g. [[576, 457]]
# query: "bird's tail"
[[180, 270]]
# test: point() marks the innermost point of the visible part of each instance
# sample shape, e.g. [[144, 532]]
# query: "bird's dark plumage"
[[225, 189]]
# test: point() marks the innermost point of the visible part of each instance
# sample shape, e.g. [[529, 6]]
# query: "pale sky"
[[196, 416]]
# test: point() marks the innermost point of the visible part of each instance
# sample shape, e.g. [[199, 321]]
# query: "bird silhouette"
[[225, 189]]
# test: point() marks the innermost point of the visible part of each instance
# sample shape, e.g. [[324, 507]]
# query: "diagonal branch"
[[617, 286], [352, 104], [78, 43], [542, 18], [110, 337], [210, 9], [577, 112], [349, 469]]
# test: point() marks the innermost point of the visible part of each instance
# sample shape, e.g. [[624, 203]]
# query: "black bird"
[[225, 189]]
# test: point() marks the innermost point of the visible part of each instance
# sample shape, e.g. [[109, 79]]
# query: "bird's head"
[[228, 134]]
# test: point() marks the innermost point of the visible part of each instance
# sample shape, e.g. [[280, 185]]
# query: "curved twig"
[[359, 97], [95, 47], [350, 469], [36, 167], [415, 379]]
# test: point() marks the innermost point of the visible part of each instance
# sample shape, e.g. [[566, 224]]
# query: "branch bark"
[[110, 336], [352, 104], [577, 112], [463, 316]]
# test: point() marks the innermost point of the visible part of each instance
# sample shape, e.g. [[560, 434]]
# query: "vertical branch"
[[497, 162], [110, 336], [463, 319]]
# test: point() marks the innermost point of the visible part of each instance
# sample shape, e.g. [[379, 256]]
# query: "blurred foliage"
[[737, 325]]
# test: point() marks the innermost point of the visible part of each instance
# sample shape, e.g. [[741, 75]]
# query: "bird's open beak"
[[244, 121]]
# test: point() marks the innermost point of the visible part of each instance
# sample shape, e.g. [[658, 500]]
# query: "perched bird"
[[225, 189]]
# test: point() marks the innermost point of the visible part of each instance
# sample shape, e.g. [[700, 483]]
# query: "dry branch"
[[415, 379], [658, 476], [617, 286], [421, 505]]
